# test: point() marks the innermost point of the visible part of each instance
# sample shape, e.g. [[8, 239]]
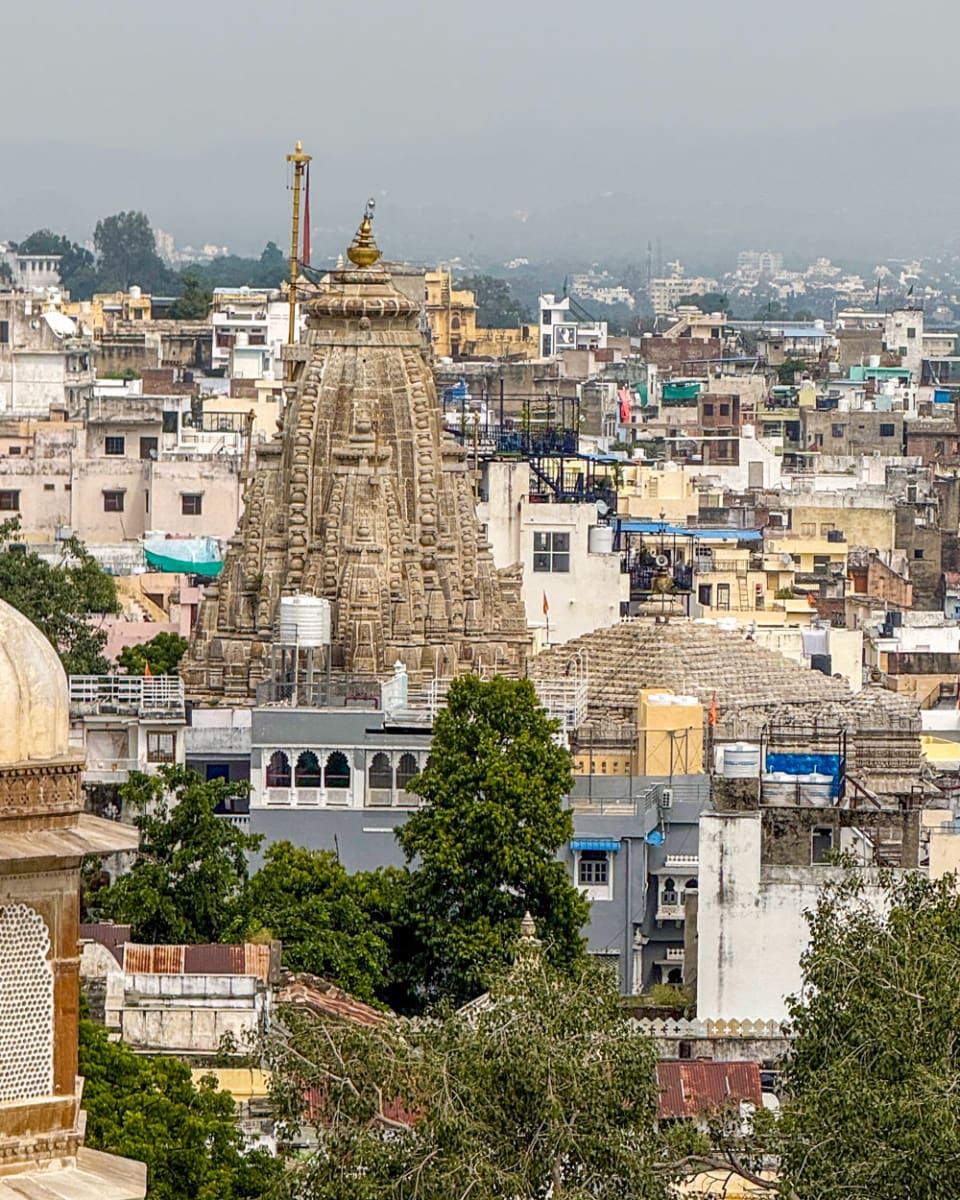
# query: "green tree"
[[708, 302], [232, 270], [331, 923], [872, 1105], [149, 1109], [544, 1088], [497, 308], [192, 867], [60, 598], [486, 843], [163, 654], [194, 302], [77, 267], [789, 369], [127, 254]]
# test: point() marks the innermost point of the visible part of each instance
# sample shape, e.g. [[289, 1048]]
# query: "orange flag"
[[147, 673], [712, 717], [546, 606]]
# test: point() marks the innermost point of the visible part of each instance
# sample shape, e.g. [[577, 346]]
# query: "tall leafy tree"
[[60, 598], [192, 867], [328, 921], [497, 307], [485, 845], [127, 254], [195, 301], [150, 1110], [872, 1080], [544, 1088]]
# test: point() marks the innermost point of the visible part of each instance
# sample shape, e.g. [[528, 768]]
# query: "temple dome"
[[33, 693]]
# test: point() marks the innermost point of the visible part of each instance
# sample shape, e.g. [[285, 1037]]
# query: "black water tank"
[[821, 662]]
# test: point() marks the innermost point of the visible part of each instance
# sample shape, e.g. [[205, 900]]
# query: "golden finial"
[[364, 251]]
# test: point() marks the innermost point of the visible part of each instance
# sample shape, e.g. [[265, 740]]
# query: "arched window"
[[338, 771], [278, 770], [669, 891], [455, 322], [675, 977], [690, 885], [379, 774], [406, 769], [308, 770]]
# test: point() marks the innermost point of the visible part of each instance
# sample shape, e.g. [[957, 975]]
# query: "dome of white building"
[[33, 693]]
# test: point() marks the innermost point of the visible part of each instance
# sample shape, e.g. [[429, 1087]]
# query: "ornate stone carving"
[[363, 498]]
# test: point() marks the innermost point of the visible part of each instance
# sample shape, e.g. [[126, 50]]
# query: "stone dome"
[[33, 693]]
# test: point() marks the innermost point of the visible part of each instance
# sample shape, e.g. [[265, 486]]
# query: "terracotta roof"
[[325, 998], [689, 1089]]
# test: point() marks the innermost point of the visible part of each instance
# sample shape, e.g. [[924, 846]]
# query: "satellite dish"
[[602, 508], [661, 560], [654, 838]]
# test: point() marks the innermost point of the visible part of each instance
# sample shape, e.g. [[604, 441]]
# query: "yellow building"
[[670, 733], [452, 316], [811, 554], [106, 308], [664, 492]]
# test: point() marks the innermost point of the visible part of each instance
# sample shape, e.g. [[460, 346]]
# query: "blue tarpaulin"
[[809, 764], [703, 535], [595, 844]]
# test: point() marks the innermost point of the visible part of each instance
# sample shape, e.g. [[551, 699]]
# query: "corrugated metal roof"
[[205, 959], [690, 1089], [114, 937]]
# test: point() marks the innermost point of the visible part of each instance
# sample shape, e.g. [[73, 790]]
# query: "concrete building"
[[44, 363], [565, 326], [249, 327]]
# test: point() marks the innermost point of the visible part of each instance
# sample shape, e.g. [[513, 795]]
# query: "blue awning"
[[595, 844], [703, 535]]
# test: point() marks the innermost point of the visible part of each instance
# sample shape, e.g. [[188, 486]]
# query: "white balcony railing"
[[129, 695]]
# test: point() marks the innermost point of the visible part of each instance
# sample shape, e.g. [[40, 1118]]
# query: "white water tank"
[[305, 621], [600, 539], [816, 789], [741, 760], [779, 788]]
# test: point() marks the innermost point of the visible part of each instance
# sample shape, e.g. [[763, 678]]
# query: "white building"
[[565, 327], [249, 327], [44, 364]]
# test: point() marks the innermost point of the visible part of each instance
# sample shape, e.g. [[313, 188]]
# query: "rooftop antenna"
[[300, 161]]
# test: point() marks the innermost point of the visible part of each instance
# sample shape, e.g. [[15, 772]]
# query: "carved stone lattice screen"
[[26, 1005]]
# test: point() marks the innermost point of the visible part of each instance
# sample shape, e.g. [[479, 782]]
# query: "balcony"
[[160, 697], [681, 862]]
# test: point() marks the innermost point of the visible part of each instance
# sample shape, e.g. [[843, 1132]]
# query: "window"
[[49, 487], [278, 770], [307, 774], [171, 421], [918, 553], [551, 551], [668, 897], [822, 844], [406, 769], [337, 774], [113, 502], [705, 594], [191, 504], [161, 748], [15, 450], [380, 773], [724, 410], [708, 410], [547, 345], [594, 868], [808, 529], [723, 595], [4, 332], [9, 501], [115, 446], [911, 333], [547, 317], [825, 528], [837, 431], [148, 447], [887, 429]]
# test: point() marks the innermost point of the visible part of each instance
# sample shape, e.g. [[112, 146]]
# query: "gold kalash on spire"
[[363, 250]]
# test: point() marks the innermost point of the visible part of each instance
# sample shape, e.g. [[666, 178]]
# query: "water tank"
[[135, 292], [778, 788], [305, 621], [816, 789], [600, 539], [741, 760]]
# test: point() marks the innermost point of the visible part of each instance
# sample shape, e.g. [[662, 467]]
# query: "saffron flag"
[[147, 673], [546, 606], [306, 218], [712, 717], [624, 397]]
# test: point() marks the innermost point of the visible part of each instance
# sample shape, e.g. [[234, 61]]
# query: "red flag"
[[546, 606], [306, 218], [712, 717]]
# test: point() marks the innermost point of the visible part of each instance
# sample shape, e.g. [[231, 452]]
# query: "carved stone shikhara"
[[362, 498]]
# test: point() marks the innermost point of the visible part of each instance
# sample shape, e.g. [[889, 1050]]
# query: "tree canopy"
[[871, 1081], [77, 269], [192, 867], [232, 270], [127, 254], [544, 1088], [59, 598], [485, 845], [162, 654], [149, 1109], [193, 304], [497, 307]]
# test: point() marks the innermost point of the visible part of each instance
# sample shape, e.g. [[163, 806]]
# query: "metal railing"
[[128, 695]]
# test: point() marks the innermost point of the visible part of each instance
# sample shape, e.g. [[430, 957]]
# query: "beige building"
[[44, 363]]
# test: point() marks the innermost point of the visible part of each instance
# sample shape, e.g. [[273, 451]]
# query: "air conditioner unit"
[[666, 798]]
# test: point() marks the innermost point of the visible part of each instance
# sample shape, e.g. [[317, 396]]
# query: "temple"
[[364, 500], [44, 835]]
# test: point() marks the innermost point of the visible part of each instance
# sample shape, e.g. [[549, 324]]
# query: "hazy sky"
[[487, 129]]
